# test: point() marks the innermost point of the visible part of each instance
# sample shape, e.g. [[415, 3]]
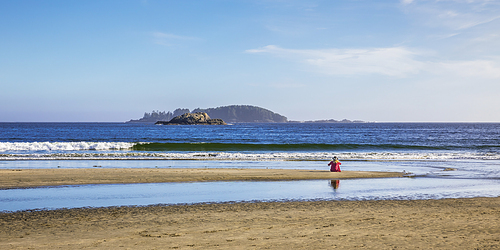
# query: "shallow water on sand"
[[198, 192], [484, 169], [434, 180]]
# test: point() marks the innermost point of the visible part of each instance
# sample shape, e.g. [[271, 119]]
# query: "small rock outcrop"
[[199, 118]]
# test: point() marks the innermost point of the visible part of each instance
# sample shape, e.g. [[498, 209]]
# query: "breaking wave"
[[63, 146], [236, 151], [227, 147]]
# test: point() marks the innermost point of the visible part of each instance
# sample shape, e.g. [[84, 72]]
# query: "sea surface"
[[445, 160]]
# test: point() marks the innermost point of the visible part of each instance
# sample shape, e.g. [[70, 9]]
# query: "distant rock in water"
[[199, 118], [329, 121]]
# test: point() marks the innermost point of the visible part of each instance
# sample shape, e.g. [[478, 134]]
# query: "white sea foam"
[[63, 146], [106, 150], [235, 156]]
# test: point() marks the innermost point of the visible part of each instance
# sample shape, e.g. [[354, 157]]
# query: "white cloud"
[[397, 61], [394, 62]]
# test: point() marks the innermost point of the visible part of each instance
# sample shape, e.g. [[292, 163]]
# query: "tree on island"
[[155, 116]]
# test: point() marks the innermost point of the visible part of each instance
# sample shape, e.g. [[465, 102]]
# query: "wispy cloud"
[[406, 1], [172, 36], [168, 39], [453, 14], [394, 62], [476, 68], [282, 84]]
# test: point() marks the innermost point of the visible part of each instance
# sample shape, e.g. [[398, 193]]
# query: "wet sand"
[[424, 224], [23, 178], [421, 224]]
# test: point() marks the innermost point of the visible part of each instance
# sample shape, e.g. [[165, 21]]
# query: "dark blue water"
[[432, 135], [422, 140]]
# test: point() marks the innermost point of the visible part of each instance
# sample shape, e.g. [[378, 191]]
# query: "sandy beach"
[[420, 224], [24, 178]]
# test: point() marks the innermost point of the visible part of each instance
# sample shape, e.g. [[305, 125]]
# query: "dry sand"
[[19, 178], [421, 224]]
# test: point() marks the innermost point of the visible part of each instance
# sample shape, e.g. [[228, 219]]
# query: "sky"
[[381, 61]]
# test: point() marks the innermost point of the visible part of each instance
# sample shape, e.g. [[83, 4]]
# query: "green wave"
[[269, 147]]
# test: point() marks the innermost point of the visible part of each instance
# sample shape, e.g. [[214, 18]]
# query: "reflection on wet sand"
[[335, 184]]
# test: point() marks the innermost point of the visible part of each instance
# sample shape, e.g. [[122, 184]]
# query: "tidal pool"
[[244, 191]]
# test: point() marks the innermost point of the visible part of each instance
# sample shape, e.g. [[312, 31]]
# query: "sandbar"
[[26, 178], [417, 224]]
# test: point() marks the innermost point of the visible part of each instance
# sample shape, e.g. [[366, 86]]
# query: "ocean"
[[292, 141], [464, 157]]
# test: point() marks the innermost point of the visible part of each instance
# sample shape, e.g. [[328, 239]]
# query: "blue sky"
[[105, 61]]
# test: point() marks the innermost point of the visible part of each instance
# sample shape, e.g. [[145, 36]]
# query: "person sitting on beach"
[[334, 165]]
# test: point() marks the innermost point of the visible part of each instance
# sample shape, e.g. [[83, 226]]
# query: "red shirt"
[[335, 166]]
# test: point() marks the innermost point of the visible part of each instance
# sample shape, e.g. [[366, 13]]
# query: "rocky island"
[[198, 118], [231, 114], [244, 113]]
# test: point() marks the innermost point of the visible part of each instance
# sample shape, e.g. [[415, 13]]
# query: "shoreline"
[[468, 223], [30, 178]]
